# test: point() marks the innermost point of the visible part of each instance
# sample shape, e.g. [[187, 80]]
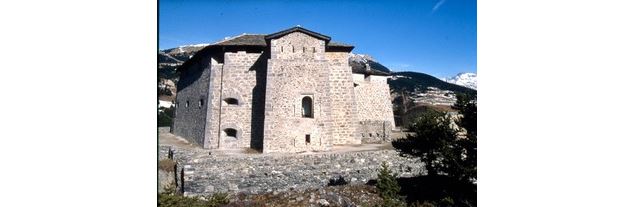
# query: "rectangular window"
[[307, 139]]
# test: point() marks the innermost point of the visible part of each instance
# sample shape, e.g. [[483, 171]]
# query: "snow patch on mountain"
[[360, 58], [463, 79], [196, 45], [395, 77]]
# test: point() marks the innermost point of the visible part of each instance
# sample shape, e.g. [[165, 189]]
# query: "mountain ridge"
[[463, 79]]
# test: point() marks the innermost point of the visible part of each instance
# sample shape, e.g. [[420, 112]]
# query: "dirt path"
[[166, 138]]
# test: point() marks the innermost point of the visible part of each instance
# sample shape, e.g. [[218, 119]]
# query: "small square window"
[[230, 132]]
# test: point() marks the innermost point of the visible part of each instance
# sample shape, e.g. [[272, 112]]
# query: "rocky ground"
[[344, 195], [300, 179]]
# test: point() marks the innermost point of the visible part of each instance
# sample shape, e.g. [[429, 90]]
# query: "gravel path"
[[168, 139]]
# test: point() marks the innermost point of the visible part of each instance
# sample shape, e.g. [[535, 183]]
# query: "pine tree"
[[389, 187], [467, 108], [438, 144]]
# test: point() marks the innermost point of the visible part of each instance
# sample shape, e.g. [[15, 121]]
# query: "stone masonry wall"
[[238, 82], [269, 93], [375, 131], [372, 95], [291, 76], [212, 124], [191, 102], [258, 173], [343, 105]]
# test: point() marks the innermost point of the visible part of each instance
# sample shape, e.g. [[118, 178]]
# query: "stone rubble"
[[206, 173]]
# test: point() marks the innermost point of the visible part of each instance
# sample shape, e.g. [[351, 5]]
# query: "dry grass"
[[167, 165]]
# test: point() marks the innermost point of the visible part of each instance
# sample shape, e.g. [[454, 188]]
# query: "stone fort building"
[[289, 91]]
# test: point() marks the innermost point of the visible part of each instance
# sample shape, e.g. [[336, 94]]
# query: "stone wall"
[[191, 102], [213, 113], [238, 82], [373, 131], [166, 180], [343, 105], [269, 87], [372, 95], [297, 45], [257, 173], [164, 129], [291, 76]]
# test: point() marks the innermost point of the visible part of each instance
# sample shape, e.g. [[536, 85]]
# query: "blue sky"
[[437, 37]]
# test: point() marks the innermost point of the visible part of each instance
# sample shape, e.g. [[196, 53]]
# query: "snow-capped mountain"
[[463, 79], [359, 62], [360, 57]]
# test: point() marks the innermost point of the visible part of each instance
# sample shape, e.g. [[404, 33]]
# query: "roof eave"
[[376, 73], [339, 48]]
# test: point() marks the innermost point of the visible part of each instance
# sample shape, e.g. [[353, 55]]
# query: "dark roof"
[[260, 40], [298, 29], [338, 44], [244, 40]]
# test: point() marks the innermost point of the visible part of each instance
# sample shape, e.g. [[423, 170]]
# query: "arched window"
[[231, 101], [187, 104], [229, 132], [307, 107]]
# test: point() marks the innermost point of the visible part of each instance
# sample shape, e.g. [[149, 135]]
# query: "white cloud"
[[436, 6]]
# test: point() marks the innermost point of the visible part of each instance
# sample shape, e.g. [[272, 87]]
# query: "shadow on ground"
[[435, 189]]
